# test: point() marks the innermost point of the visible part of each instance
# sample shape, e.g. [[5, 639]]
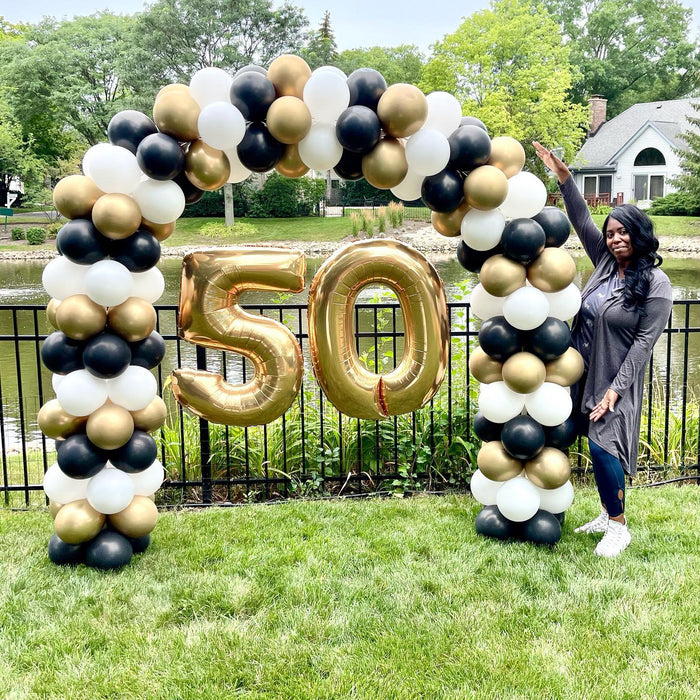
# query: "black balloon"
[[556, 226], [138, 252], [522, 240], [472, 121], [259, 151], [349, 167], [253, 94], [109, 550], [366, 87], [140, 544], [136, 455], [192, 193], [542, 528], [62, 354], [160, 157], [548, 341], [65, 554], [563, 435], [523, 437], [80, 241], [78, 458], [470, 147], [499, 339], [444, 191], [471, 259], [358, 129], [148, 352], [128, 128], [560, 517], [486, 429], [106, 355], [490, 522]]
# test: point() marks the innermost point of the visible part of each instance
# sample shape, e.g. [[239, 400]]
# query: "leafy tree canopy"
[[399, 64], [321, 49]]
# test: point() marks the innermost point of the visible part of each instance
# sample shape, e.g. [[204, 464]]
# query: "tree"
[[689, 181], [321, 49], [508, 66], [399, 64], [629, 51]]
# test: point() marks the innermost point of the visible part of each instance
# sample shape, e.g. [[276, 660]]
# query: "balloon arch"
[[219, 130]]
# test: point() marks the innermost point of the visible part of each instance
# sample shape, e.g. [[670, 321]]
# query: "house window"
[[589, 185], [650, 156], [656, 186], [648, 186], [605, 184], [597, 185]]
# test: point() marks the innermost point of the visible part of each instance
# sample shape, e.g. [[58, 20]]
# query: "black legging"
[[609, 478]]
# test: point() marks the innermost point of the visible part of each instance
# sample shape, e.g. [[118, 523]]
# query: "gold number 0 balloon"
[[349, 386], [209, 315]]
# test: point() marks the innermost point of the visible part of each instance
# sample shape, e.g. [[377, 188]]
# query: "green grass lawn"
[[680, 226], [358, 599]]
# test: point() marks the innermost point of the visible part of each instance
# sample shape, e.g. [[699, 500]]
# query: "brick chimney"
[[598, 107]]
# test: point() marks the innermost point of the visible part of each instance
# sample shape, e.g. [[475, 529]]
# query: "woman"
[[624, 308]]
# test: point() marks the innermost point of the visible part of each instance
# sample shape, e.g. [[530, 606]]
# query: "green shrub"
[[36, 235], [396, 214], [675, 204], [602, 209], [381, 220], [283, 197], [53, 229], [355, 222], [17, 234], [218, 229]]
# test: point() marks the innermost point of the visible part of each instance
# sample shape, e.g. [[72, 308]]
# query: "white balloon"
[[110, 491], [56, 381], [148, 285], [133, 389], [484, 489], [498, 403], [81, 394], [526, 308], [112, 168], [210, 85], [59, 487], [482, 229], [485, 305], [550, 405], [565, 304], [160, 201], [63, 278], [221, 125], [108, 282], [149, 480], [331, 69], [326, 94], [444, 112], [556, 500], [409, 188], [526, 196], [238, 171], [427, 152], [320, 148], [518, 499]]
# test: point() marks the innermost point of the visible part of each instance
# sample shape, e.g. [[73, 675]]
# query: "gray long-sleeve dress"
[[622, 340]]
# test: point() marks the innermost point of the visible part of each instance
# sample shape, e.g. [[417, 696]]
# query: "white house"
[[632, 156]]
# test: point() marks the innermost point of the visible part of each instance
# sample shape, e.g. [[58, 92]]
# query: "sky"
[[356, 23]]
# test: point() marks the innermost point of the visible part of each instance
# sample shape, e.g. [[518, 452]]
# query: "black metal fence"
[[313, 450]]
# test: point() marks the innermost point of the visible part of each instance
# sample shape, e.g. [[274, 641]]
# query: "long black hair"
[[644, 256]]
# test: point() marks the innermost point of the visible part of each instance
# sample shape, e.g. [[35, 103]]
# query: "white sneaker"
[[615, 540], [599, 524]]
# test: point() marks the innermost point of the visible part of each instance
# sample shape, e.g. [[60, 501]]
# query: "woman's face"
[[618, 240]]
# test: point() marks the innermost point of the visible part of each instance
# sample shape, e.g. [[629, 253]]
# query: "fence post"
[[204, 444]]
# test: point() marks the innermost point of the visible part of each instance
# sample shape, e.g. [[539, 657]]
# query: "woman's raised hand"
[[555, 164]]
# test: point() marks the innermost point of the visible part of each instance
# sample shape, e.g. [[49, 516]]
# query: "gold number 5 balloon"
[[350, 387], [209, 315]]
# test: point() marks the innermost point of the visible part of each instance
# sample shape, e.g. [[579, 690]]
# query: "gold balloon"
[[175, 113], [349, 386], [496, 464], [206, 167], [385, 166], [567, 369], [550, 469], [51, 309], [116, 216], [485, 187], [501, 276], [137, 519], [173, 88], [78, 522], [449, 224], [289, 73], [152, 417], [552, 270], [54, 507], [133, 319], [523, 372], [291, 165], [75, 195], [402, 110], [110, 426], [55, 423], [484, 368], [159, 231], [288, 119], [507, 155], [210, 316], [79, 317]]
